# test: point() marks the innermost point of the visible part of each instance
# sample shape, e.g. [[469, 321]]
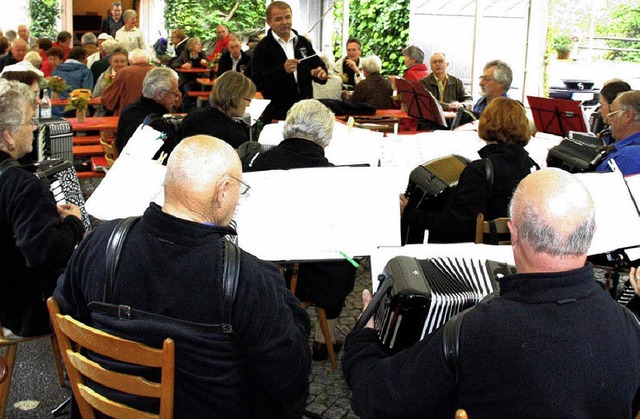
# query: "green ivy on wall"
[[383, 28], [44, 14], [199, 18]]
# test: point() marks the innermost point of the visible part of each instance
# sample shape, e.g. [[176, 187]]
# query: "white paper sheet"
[[307, 214], [617, 220]]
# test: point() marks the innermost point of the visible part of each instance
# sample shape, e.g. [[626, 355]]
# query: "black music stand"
[[420, 103], [557, 116]]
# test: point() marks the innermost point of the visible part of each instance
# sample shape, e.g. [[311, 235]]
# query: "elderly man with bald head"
[[171, 269], [552, 344], [16, 54], [445, 87]]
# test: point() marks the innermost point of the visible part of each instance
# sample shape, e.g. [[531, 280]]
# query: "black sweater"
[[551, 345], [34, 248]]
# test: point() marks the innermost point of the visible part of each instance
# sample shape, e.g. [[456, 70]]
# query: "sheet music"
[[381, 256], [617, 220], [127, 189], [144, 143], [307, 214], [256, 107]]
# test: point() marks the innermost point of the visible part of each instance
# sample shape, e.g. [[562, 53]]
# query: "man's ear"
[[7, 137], [512, 231]]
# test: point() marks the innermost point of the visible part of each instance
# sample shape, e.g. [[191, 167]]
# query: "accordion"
[[578, 153], [52, 140], [60, 176], [429, 188], [416, 297]]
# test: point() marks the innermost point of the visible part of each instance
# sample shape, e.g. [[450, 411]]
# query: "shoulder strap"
[[488, 164], [230, 275], [451, 343], [112, 256]]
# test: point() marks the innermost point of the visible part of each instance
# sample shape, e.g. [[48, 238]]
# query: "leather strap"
[[230, 275], [451, 343], [112, 256]]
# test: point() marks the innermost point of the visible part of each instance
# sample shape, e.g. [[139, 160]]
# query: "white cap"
[[21, 67], [104, 36]]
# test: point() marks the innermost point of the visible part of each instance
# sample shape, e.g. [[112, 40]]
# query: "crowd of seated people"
[[270, 362]]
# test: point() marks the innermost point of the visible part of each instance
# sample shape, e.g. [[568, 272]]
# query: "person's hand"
[[352, 65], [204, 62], [366, 299], [186, 66], [403, 202], [291, 65], [65, 210], [633, 278], [454, 106], [319, 73]]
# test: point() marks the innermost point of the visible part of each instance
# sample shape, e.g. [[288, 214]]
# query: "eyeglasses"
[[176, 94], [244, 188], [486, 78], [247, 99], [610, 114]]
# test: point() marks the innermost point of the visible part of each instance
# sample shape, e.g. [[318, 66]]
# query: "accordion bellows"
[[424, 294]]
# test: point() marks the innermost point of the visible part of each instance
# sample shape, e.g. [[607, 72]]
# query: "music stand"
[[420, 103], [557, 116]]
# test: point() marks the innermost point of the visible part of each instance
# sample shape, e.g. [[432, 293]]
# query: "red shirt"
[[220, 47], [416, 72]]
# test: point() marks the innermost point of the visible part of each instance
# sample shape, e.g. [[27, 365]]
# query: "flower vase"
[[81, 115], [55, 96]]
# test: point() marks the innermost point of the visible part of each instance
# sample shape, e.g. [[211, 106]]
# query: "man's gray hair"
[[89, 38], [116, 3], [15, 97], [137, 56], [372, 64], [502, 73], [543, 232], [630, 100], [156, 80], [128, 13], [414, 53], [311, 120]]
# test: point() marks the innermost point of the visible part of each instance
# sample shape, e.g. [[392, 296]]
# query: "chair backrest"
[[73, 335], [110, 151], [492, 231], [3, 369]]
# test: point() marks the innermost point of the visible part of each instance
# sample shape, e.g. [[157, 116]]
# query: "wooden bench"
[[88, 150], [86, 140]]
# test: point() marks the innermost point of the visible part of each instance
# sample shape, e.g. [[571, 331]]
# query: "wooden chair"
[[9, 361], [320, 312], [73, 335], [110, 151], [491, 232]]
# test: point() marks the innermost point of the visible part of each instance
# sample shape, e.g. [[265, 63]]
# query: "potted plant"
[[563, 45], [57, 84], [79, 101]]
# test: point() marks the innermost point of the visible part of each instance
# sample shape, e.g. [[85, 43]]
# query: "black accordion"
[[52, 140], [416, 297], [61, 178], [578, 153], [429, 188]]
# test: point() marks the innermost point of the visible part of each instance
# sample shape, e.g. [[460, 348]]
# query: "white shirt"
[[287, 47]]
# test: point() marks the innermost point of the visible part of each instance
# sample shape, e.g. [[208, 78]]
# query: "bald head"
[[202, 181], [552, 214]]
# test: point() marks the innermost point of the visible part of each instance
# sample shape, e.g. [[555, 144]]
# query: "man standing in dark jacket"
[[553, 344], [171, 264], [281, 69]]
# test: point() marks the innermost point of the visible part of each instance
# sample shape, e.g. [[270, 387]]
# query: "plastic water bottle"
[[45, 106]]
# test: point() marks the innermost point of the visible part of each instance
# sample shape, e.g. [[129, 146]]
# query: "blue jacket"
[[626, 154]]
